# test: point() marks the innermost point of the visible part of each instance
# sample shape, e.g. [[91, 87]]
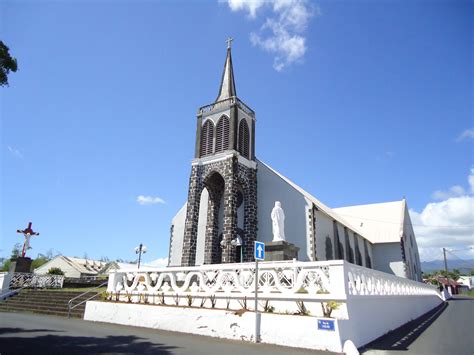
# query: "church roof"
[[227, 87], [379, 222], [84, 266]]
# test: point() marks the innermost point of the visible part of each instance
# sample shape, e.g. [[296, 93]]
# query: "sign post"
[[259, 254]]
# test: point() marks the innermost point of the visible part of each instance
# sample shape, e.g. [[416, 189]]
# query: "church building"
[[232, 193]]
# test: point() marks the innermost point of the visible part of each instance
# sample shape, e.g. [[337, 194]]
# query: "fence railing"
[[24, 280], [283, 281]]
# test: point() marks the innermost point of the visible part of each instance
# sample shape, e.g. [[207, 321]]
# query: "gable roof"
[[84, 266], [380, 222]]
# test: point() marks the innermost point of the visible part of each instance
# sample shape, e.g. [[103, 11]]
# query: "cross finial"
[[229, 42]]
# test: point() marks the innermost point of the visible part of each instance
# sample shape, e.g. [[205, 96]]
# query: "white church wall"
[[176, 247], [323, 230], [387, 257], [201, 233], [272, 188]]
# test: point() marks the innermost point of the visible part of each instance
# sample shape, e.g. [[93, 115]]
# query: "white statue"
[[278, 222]]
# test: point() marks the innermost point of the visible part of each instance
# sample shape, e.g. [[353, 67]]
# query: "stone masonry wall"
[[234, 175]]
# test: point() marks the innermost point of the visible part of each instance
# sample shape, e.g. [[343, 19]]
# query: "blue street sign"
[[326, 324], [259, 251]]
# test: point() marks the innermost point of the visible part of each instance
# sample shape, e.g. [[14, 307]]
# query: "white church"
[[232, 193]]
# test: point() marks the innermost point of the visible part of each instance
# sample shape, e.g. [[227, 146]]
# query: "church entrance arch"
[[215, 185]]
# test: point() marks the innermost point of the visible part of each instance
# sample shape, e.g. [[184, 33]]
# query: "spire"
[[227, 88]]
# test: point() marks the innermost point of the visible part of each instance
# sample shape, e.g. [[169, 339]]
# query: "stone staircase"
[[46, 302]]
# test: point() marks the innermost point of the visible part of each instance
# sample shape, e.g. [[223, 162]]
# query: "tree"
[[40, 260], [16, 251], [7, 64], [6, 262]]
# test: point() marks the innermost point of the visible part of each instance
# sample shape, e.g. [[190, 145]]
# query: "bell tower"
[[224, 166]]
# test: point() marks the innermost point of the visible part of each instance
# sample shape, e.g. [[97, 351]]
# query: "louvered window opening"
[[222, 134], [207, 137], [244, 138]]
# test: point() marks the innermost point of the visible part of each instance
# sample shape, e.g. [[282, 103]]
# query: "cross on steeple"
[[229, 42]]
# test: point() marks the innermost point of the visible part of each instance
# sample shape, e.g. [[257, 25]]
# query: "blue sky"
[[356, 101]]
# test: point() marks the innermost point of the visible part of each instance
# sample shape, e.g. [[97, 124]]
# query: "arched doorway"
[[214, 184]]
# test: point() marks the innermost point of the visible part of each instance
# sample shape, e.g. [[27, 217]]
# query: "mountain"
[[464, 266]]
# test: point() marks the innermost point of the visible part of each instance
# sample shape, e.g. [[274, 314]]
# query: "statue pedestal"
[[281, 250], [20, 264]]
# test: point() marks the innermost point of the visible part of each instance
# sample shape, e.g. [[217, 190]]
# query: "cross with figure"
[[229, 42], [27, 233]]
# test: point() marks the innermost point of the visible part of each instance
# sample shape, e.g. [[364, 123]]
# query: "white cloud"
[[251, 6], [149, 200], [467, 134], [160, 262], [448, 223], [454, 191], [283, 33], [16, 153]]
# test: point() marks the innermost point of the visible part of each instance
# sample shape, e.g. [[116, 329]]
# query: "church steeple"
[[223, 180], [227, 87]]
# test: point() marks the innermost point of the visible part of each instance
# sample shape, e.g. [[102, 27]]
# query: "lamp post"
[[237, 242], [141, 249]]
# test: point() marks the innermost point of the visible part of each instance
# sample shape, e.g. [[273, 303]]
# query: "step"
[[40, 306], [64, 298], [41, 302], [35, 306], [74, 314], [43, 308], [53, 299]]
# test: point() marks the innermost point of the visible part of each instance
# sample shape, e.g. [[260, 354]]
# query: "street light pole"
[[139, 250]]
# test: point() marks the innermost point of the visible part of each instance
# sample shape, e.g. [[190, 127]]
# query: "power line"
[[462, 260]]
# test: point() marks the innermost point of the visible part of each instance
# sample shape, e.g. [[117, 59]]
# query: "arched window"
[[207, 136], [244, 138], [222, 134]]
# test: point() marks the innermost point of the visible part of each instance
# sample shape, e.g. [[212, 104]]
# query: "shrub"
[[55, 271]]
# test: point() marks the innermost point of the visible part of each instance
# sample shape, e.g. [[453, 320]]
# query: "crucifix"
[[27, 233], [229, 42]]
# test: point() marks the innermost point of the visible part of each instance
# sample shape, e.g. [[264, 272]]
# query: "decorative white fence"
[[281, 282], [23, 279], [367, 282]]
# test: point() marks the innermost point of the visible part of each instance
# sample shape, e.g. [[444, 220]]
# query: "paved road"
[[444, 331], [22, 333]]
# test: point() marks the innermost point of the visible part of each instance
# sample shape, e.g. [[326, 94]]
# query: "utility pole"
[[445, 262]]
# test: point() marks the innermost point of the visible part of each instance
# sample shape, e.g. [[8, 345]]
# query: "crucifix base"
[[281, 250], [20, 264]]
